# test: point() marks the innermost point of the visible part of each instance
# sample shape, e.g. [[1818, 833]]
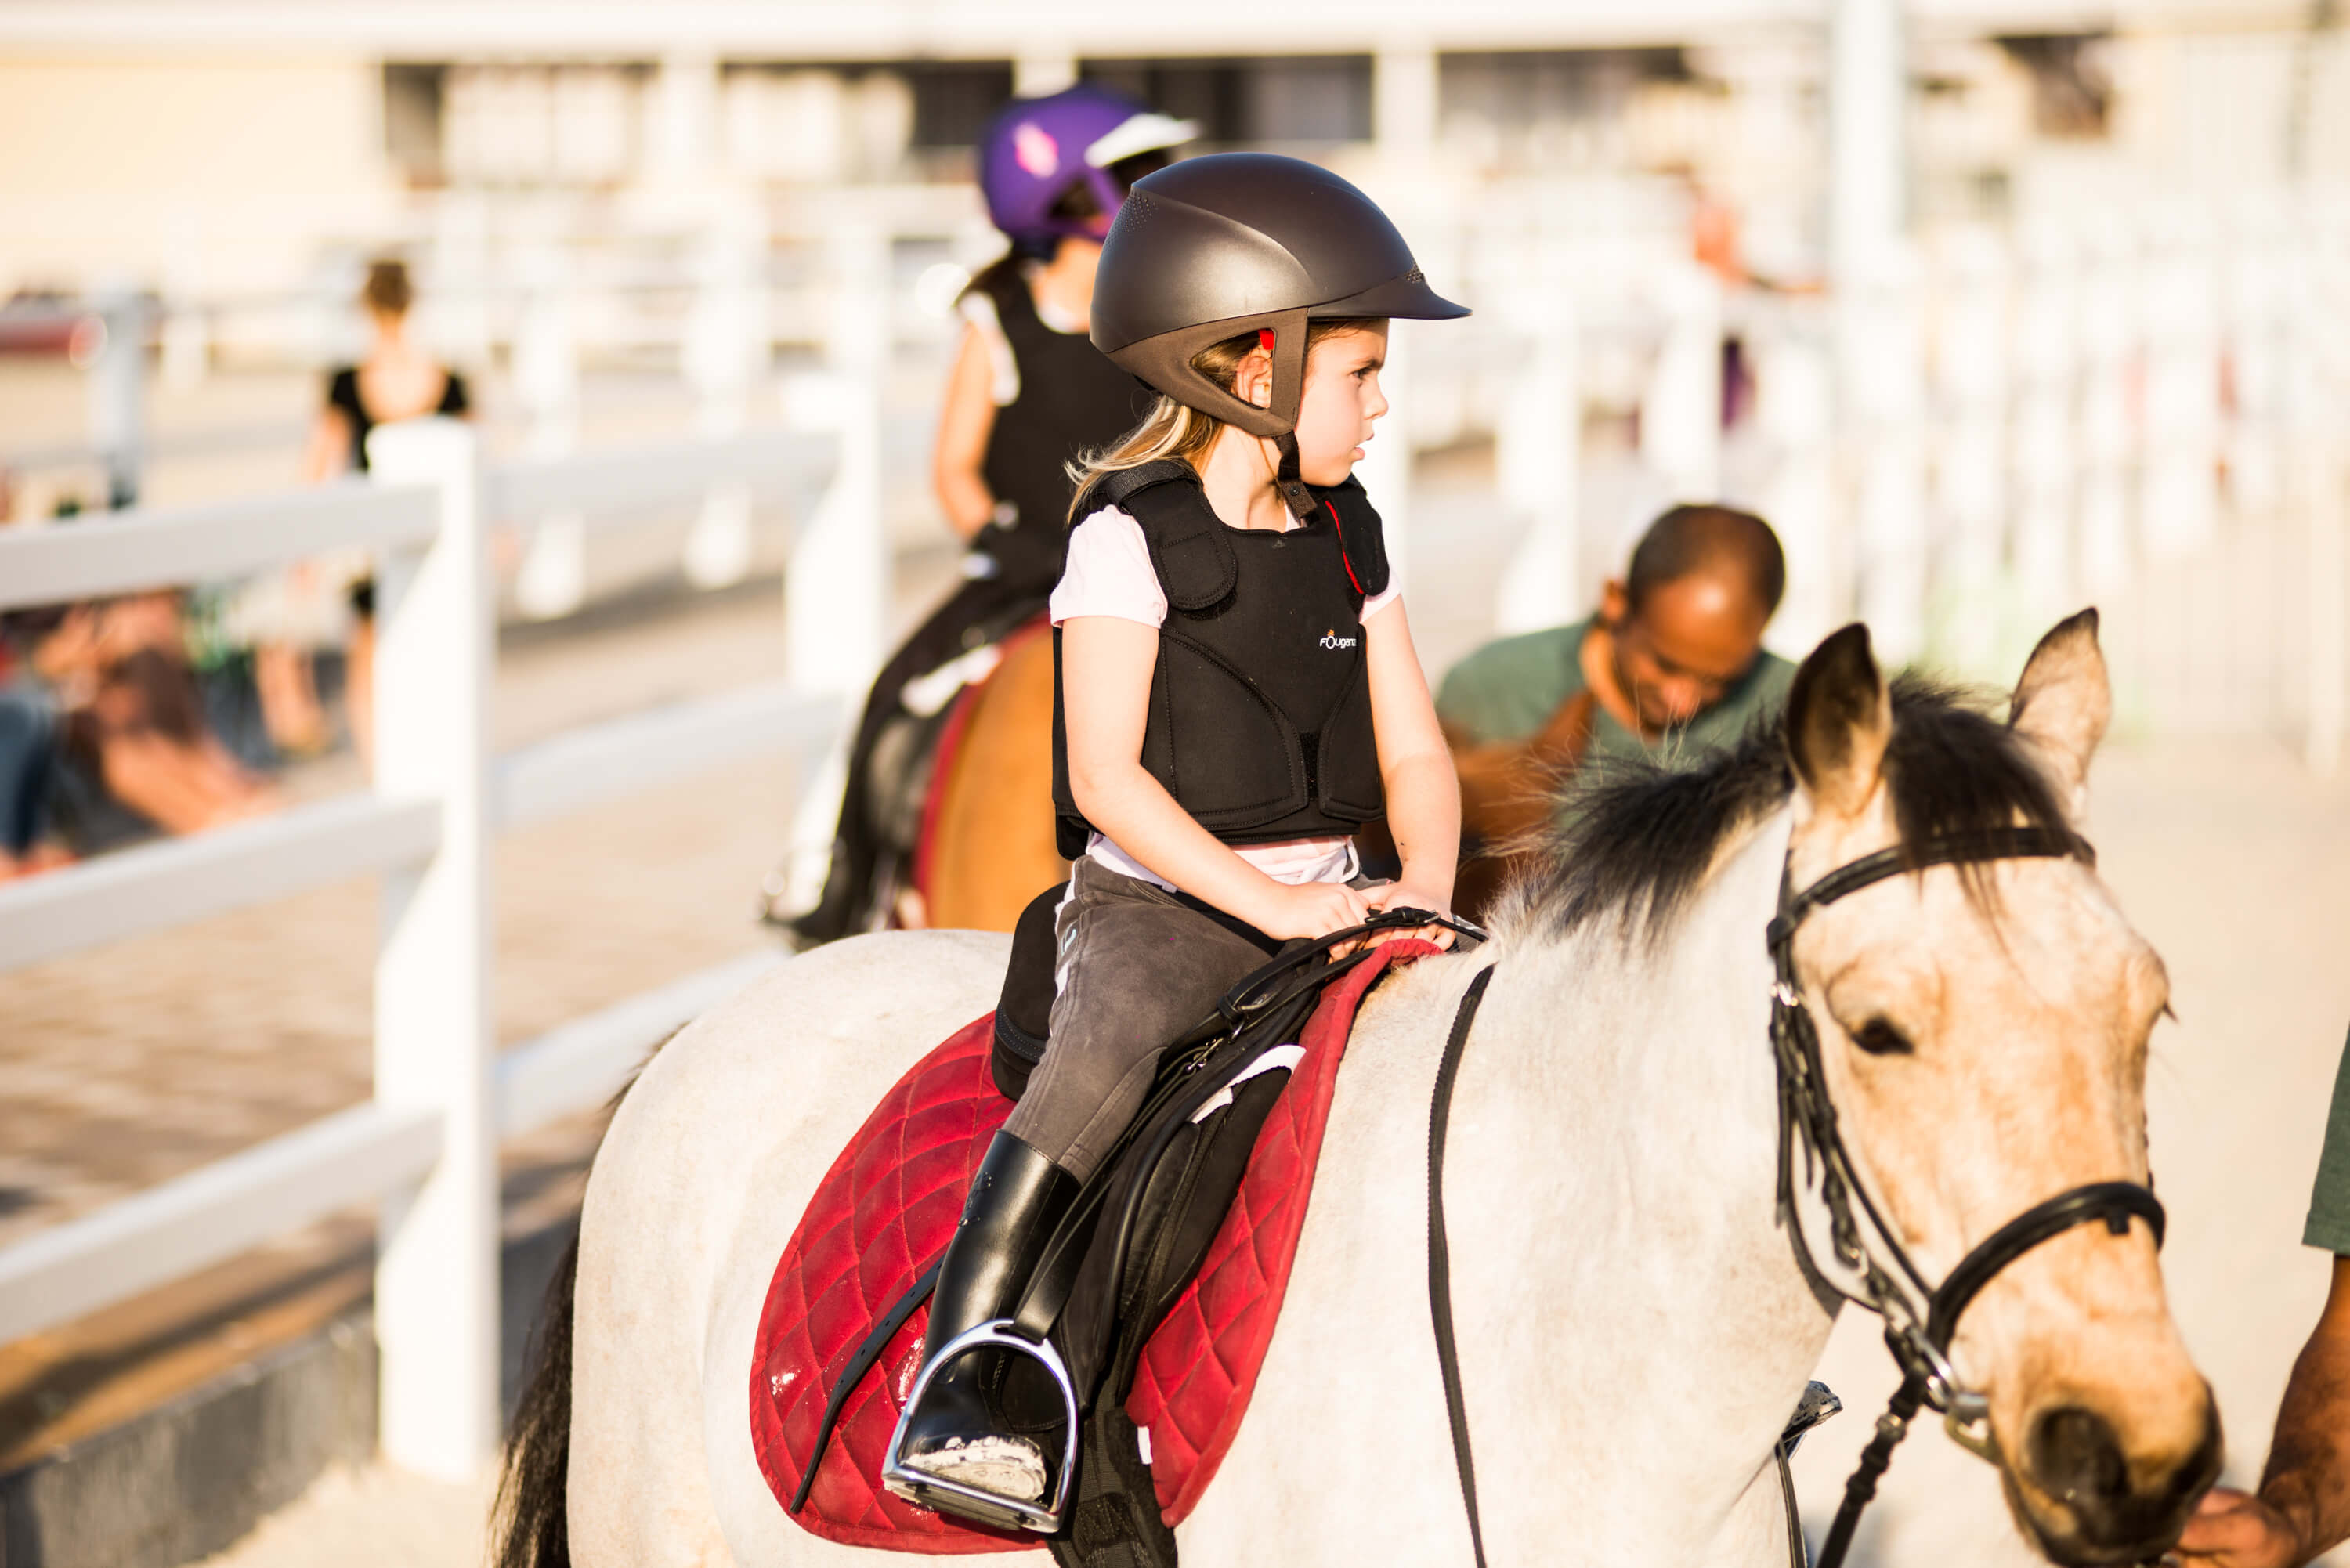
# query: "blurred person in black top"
[[1028, 393], [396, 379]]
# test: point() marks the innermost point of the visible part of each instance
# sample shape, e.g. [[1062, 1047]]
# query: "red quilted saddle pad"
[[884, 1213]]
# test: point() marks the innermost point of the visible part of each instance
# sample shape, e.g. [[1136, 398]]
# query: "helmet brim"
[[1145, 133], [1408, 297]]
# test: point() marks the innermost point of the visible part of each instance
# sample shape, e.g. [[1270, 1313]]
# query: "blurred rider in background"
[[1028, 393]]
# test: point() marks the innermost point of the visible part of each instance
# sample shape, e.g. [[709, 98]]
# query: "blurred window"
[[412, 121], [2072, 90], [953, 99], [1300, 99]]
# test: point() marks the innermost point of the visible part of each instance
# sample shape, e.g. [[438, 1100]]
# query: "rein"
[[1920, 1319]]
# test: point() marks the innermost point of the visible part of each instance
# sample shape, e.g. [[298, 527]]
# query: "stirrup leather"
[[969, 1501]]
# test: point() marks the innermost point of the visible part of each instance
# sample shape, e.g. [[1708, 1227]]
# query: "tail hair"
[[530, 1522]]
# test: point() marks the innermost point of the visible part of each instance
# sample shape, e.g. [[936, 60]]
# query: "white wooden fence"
[[425, 1147]]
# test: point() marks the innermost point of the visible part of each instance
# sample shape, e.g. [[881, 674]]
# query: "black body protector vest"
[[1071, 399], [1260, 720]]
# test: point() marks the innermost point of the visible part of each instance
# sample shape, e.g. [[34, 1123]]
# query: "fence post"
[[553, 578], [118, 393], [2109, 323], [1881, 391], [1538, 456], [2045, 443], [724, 351], [436, 1285], [835, 592], [1969, 397], [835, 589], [1680, 411], [1796, 371]]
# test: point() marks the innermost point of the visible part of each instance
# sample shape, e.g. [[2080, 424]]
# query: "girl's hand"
[[1404, 896], [1311, 909]]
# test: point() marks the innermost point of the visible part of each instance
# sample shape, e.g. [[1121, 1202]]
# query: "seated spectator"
[[129, 730], [28, 754], [1671, 666]]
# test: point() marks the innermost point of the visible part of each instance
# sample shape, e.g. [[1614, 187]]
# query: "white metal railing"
[[425, 1145]]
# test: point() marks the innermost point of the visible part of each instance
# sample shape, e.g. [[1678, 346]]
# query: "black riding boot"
[[955, 1431]]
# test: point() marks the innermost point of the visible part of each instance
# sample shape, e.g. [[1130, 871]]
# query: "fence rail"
[[424, 1146]]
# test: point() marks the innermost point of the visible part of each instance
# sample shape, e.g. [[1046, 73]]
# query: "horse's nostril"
[[2075, 1456]]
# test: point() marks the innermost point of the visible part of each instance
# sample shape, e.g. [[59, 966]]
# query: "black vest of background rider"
[[1071, 399], [1260, 720]]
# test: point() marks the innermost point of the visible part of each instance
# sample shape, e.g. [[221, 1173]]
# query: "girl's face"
[[1341, 399]]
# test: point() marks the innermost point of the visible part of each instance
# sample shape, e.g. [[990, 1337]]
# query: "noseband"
[[1920, 1319]]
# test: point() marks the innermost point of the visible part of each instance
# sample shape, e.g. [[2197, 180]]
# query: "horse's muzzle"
[[2089, 1502]]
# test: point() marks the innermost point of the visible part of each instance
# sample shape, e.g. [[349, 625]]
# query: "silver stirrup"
[[921, 1487]]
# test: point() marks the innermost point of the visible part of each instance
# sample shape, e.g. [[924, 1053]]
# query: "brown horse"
[[986, 845]]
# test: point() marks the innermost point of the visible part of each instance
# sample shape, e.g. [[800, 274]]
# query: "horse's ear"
[[1839, 717], [2064, 700]]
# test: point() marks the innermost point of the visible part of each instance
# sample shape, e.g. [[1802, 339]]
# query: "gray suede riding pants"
[[1137, 969]]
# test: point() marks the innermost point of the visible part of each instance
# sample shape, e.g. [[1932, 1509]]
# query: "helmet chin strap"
[[1294, 494], [1285, 477]]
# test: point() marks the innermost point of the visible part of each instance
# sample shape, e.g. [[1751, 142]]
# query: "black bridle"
[[1920, 1319]]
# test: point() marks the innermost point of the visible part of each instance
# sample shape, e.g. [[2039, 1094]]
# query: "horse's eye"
[[1879, 1038]]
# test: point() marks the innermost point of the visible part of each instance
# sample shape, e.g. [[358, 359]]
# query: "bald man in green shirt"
[[1671, 668]]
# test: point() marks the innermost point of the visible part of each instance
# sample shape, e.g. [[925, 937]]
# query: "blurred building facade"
[[227, 144]]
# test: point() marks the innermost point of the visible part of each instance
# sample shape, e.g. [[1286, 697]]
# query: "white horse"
[[1634, 1329]]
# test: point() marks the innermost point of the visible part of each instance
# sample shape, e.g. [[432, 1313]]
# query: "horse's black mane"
[[1637, 838]]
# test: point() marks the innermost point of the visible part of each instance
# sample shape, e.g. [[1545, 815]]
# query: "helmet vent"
[[1139, 203]]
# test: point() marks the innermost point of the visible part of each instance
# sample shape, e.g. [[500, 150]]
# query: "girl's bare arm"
[[1416, 766], [965, 424]]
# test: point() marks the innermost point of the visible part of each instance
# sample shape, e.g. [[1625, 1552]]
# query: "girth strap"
[[853, 1371], [1439, 1254]]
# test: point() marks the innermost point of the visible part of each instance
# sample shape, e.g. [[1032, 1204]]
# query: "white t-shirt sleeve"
[[1109, 572], [1384, 597]]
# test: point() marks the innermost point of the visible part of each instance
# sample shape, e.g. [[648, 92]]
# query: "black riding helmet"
[[1212, 247]]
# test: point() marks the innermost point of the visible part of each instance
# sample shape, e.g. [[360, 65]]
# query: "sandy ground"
[[372, 1518]]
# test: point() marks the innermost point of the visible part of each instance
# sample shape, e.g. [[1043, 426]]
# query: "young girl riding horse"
[[1237, 692]]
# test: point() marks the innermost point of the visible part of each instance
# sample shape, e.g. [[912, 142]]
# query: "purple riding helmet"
[[1057, 168]]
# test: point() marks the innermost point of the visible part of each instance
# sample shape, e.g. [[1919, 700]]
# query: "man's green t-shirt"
[[2329, 1197], [1508, 689]]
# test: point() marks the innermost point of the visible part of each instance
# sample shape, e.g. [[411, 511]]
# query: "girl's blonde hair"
[[1177, 430]]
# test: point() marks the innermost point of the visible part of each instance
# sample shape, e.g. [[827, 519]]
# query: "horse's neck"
[[1623, 1285]]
